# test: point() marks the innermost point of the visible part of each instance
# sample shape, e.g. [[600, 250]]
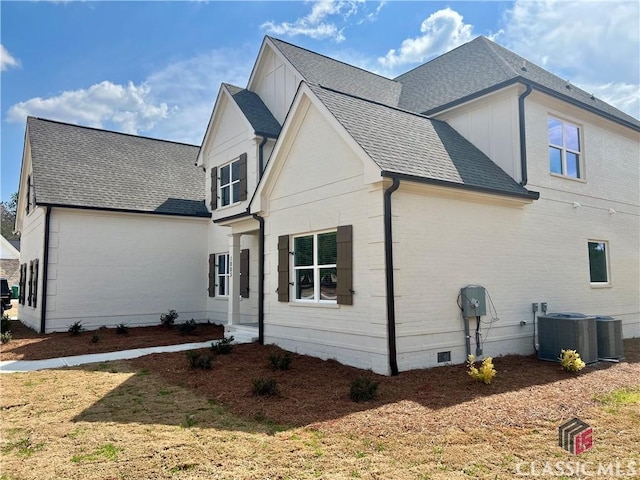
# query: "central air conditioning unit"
[[567, 331], [610, 345]]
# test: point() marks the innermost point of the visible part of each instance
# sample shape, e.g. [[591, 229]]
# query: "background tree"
[[8, 212]]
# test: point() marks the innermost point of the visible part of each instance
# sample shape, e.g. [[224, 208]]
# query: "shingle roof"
[[406, 143], [478, 66], [320, 70], [252, 106], [86, 167]]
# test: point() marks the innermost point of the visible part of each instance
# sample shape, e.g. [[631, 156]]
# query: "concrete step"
[[241, 333]]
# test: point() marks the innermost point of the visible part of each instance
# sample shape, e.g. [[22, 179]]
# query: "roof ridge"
[[368, 100], [332, 59], [142, 137], [499, 59], [437, 57]]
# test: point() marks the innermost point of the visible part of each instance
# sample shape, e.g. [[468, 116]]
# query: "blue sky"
[[154, 68]]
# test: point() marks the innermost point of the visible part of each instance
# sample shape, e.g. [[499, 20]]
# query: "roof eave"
[[529, 195], [123, 210], [536, 86]]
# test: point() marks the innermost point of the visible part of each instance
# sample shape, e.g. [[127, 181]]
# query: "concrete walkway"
[[13, 366]]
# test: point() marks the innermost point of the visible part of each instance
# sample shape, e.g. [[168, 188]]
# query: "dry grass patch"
[[157, 418]]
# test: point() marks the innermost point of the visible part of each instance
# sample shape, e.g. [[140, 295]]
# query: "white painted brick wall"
[[111, 268]]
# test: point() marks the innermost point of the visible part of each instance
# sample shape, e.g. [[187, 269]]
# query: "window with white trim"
[[223, 274], [565, 151], [598, 262], [314, 263], [230, 183]]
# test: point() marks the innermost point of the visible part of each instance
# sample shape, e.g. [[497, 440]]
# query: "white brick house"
[[348, 210]]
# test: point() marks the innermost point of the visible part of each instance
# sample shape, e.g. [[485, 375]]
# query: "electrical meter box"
[[473, 300]]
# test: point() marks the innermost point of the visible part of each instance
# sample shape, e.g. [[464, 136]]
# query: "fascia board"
[[24, 168], [304, 99], [289, 129], [259, 61], [224, 99], [210, 127]]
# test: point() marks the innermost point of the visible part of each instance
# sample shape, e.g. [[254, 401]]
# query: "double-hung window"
[[230, 183], [315, 272], [598, 263], [565, 150], [223, 274]]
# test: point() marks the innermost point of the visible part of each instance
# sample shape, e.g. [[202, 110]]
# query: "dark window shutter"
[[214, 188], [35, 283], [30, 283], [244, 273], [283, 268], [22, 283], [212, 275], [242, 164], [344, 265]]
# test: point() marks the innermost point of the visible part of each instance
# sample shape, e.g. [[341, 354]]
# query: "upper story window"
[[315, 258], [229, 183], [565, 150]]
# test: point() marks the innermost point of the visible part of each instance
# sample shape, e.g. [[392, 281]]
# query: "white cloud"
[[595, 45], [7, 60], [316, 24], [129, 108], [173, 103], [441, 32]]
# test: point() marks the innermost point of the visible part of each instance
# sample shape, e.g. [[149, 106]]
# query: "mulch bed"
[[315, 390], [30, 345]]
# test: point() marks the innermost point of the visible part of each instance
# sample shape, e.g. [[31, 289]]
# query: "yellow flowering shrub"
[[485, 373], [571, 361]]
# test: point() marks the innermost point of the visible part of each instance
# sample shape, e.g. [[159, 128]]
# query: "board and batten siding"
[[276, 84], [319, 188], [111, 268], [491, 124]]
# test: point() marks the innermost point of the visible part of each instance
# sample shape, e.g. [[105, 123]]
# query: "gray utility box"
[[609, 338], [473, 300], [567, 331]]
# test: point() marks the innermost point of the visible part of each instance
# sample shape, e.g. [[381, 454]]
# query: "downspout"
[[260, 279], [261, 249], [45, 271], [388, 256], [523, 141], [261, 156]]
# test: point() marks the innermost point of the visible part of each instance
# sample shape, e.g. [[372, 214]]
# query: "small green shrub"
[[485, 373], [168, 319], [223, 346], [363, 389], [570, 361], [95, 339], [187, 328], [122, 329], [5, 337], [198, 360], [76, 328], [265, 387], [5, 324], [280, 362]]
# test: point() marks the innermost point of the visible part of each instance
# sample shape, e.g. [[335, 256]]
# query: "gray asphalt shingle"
[[411, 144], [252, 106], [320, 70], [478, 66], [86, 167]]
